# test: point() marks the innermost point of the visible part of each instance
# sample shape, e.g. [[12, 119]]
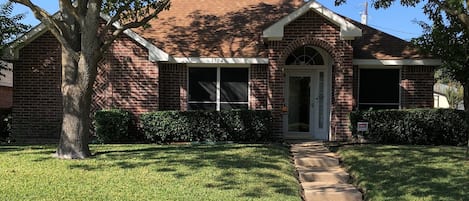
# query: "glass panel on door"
[[321, 101], [299, 104]]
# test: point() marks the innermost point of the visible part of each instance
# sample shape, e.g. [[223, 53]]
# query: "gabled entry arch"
[[307, 93]]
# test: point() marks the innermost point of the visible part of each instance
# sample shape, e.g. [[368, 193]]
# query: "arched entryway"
[[307, 94]]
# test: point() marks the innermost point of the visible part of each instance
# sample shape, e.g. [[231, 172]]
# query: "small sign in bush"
[[362, 126]]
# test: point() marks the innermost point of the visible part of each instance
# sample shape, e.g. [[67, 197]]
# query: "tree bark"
[[466, 109], [76, 99], [79, 70]]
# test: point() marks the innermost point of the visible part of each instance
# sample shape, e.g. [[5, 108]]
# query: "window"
[[218, 88], [379, 89], [305, 55]]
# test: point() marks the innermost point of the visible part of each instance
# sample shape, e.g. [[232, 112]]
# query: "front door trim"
[[315, 131]]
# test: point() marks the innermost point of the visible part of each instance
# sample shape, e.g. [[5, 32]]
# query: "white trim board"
[[154, 53], [348, 31], [397, 62], [12, 52], [218, 60]]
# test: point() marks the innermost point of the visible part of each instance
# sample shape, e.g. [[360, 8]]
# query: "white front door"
[[306, 97]]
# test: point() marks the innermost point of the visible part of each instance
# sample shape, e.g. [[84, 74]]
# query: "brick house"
[[6, 87], [305, 63]]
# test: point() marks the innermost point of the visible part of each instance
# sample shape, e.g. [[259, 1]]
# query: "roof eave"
[[12, 52], [348, 31], [155, 54], [397, 62]]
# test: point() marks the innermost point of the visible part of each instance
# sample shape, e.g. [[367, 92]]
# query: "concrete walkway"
[[320, 175]]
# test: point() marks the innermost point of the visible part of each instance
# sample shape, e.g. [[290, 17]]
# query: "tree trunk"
[[76, 94], [466, 109], [75, 133]]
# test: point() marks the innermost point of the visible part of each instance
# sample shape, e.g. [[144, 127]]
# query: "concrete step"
[[307, 143], [316, 191], [332, 176], [315, 161], [306, 153]]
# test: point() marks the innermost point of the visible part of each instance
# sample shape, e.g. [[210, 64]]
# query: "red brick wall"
[[6, 97], [417, 86], [173, 86], [258, 87], [313, 29], [126, 79], [132, 78], [37, 102]]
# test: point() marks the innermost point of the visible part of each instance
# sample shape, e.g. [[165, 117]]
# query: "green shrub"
[[414, 126], [234, 125], [5, 123], [112, 126]]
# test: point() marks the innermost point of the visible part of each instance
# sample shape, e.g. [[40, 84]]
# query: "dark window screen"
[[202, 84], [234, 85], [379, 88]]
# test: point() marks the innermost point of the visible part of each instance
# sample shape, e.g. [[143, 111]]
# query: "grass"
[[150, 172], [423, 173]]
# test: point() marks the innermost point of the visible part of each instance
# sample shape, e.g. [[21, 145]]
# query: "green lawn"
[[150, 172], [409, 172]]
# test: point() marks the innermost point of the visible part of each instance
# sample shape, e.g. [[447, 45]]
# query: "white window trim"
[[219, 60], [383, 63], [380, 68], [218, 101]]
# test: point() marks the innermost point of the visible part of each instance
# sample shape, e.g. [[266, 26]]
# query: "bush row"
[[173, 126], [5, 123], [414, 126], [112, 126], [235, 125]]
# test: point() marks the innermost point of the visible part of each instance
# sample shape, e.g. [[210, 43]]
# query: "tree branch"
[[113, 19], [161, 5], [67, 4], [462, 16], [54, 26]]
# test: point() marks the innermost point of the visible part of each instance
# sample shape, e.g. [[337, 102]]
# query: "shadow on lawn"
[[181, 161], [433, 173]]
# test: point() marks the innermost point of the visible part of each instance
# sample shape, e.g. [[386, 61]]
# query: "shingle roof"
[[216, 28], [375, 44], [226, 28]]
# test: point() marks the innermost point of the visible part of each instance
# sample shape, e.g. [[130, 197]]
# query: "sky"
[[396, 20]]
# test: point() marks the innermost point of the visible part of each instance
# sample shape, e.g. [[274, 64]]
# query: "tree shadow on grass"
[[430, 173], [10, 148], [228, 161]]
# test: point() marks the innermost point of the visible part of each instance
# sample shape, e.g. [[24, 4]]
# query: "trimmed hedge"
[[414, 126], [5, 123], [233, 125], [112, 126]]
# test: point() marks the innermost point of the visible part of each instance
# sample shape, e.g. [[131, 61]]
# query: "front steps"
[[320, 175]]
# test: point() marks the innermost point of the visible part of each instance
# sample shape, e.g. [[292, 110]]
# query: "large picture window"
[[379, 89], [218, 88]]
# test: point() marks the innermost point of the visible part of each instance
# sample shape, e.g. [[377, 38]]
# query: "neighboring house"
[[439, 97], [6, 86], [310, 66]]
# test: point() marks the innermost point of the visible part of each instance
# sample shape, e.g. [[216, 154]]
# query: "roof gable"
[[348, 31], [12, 52]]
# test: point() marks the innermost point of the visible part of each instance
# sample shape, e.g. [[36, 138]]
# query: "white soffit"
[[12, 52], [154, 53], [348, 31], [218, 60], [397, 62]]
